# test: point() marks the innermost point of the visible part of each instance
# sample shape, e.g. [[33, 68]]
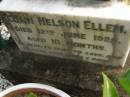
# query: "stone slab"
[[69, 74], [73, 37], [67, 31]]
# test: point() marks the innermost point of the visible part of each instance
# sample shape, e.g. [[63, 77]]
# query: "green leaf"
[[2, 42], [31, 95], [109, 89], [124, 81]]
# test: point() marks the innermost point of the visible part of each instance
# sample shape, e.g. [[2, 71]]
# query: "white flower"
[[4, 32]]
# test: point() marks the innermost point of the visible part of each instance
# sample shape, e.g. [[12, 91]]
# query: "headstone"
[[57, 29], [95, 34]]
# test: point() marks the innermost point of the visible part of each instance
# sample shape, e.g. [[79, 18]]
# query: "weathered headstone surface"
[[80, 38], [64, 45], [70, 32]]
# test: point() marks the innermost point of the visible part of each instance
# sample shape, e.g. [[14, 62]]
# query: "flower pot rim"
[[34, 85]]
